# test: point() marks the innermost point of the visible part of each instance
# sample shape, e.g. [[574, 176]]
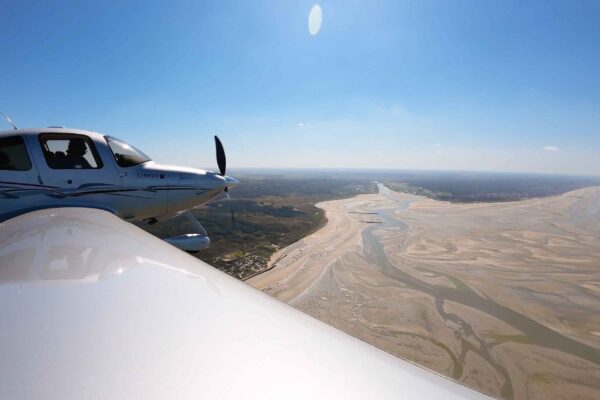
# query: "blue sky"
[[468, 85]]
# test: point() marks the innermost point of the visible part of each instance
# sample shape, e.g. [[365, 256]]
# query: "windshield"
[[125, 154]]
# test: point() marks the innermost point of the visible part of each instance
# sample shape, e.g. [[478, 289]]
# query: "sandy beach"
[[504, 297]]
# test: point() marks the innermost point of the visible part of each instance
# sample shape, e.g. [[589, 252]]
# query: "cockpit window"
[[125, 154], [13, 154], [69, 151]]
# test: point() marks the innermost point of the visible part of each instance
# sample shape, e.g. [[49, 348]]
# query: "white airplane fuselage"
[[39, 169]]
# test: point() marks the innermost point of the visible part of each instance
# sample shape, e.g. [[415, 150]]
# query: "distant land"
[[275, 208], [469, 187]]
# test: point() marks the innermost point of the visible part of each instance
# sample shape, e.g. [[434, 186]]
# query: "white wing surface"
[[95, 308]]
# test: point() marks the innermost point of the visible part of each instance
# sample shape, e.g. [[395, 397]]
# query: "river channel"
[[534, 332]]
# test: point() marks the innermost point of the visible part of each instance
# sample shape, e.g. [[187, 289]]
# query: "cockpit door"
[[75, 164]]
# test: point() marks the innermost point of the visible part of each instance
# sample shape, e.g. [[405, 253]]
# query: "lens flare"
[[315, 18]]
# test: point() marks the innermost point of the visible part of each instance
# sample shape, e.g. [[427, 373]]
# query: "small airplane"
[[58, 167], [94, 307]]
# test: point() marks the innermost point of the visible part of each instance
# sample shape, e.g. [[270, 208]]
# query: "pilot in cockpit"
[[75, 152]]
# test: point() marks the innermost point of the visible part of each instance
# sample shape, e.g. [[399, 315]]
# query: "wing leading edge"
[[94, 307]]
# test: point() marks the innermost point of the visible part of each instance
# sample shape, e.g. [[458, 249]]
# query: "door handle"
[[122, 174]]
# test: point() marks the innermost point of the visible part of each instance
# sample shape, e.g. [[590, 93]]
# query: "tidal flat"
[[503, 297]]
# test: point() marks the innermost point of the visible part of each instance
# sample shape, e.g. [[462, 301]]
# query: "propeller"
[[232, 217], [228, 200], [221, 160], [222, 163]]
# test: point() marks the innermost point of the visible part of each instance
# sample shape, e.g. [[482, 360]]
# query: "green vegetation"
[[269, 212], [499, 338]]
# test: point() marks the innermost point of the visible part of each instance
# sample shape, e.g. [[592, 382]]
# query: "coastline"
[[287, 264]]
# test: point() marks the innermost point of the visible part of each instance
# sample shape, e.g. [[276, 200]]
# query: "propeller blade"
[[228, 200], [221, 160], [232, 217]]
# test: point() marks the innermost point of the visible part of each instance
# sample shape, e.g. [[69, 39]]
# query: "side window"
[[13, 154], [68, 151]]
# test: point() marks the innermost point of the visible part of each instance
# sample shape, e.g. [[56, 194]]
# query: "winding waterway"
[[533, 332]]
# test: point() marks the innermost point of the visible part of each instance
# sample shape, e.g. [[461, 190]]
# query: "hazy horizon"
[[398, 170]]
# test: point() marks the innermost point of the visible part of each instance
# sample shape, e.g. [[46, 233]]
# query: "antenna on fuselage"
[[9, 121]]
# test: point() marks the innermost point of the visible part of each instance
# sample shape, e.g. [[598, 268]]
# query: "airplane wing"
[[93, 307]]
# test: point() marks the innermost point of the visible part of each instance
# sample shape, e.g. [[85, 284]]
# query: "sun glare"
[[315, 18]]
